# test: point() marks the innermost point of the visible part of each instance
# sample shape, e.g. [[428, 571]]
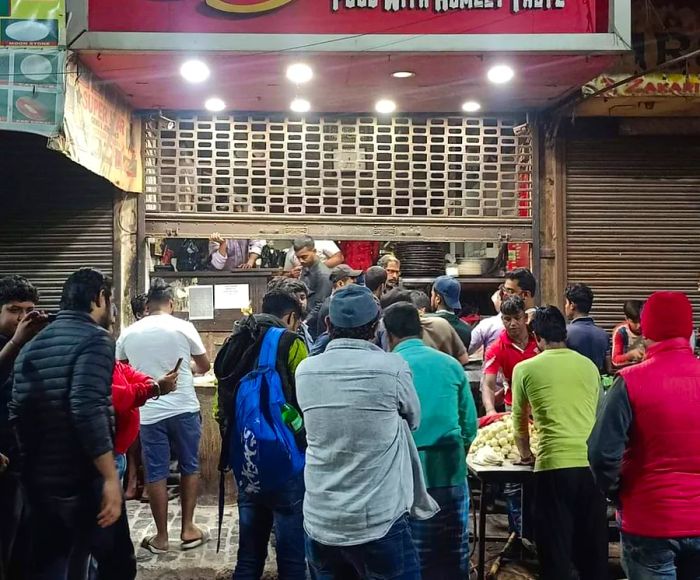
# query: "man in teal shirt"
[[448, 427], [561, 389]]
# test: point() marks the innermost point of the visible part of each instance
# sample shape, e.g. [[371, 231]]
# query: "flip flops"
[[192, 544], [147, 544]]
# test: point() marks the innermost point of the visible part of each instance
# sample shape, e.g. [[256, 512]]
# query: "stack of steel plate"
[[421, 259]]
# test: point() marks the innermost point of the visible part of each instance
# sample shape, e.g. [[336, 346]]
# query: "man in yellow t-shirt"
[[561, 389]]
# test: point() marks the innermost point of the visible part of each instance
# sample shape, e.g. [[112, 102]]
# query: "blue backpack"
[[263, 453]]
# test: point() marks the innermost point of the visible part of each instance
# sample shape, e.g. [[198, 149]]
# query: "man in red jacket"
[[130, 390], [645, 448]]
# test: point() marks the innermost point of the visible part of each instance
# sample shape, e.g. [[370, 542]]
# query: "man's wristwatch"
[[156, 390]]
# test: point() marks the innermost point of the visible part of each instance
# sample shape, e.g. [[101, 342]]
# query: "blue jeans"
[[257, 514], [661, 559], [393, 557], [443, 540], [513, 493], [120, 460]]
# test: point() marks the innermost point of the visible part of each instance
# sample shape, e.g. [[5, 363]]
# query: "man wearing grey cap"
[[356, 400]]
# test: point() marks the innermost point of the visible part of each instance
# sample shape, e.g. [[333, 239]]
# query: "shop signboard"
[[349, 16], [99, 131], [351, 25], [32, 57], [651, 85], [662, 33]]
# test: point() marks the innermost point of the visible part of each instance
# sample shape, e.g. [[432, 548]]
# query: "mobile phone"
[[177, 366]]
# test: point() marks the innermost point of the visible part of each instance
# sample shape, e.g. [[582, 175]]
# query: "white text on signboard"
[[446, 5]]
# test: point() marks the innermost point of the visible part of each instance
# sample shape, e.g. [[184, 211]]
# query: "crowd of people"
[[346, 418]]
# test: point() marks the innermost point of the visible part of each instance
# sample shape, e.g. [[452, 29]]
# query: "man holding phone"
[[19, 323], [155, 346]]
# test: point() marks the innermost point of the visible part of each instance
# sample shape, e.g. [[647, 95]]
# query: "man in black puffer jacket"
[[62, 412]]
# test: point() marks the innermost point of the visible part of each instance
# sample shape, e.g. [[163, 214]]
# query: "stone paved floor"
[[199, 564], [205, 564]]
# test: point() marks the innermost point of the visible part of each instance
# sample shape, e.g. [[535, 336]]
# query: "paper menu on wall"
[[201, 302], [231, 296]]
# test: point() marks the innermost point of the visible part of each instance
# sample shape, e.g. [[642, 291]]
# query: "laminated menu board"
[[32, 65], [31, 90], [32, 23]]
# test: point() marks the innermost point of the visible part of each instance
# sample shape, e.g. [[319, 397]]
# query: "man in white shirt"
[[153, 345], [231, 255], [327, 251]]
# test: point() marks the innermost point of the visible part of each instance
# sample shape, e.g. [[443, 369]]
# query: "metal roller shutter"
[[56, 216], [633, 219], [347, 177]]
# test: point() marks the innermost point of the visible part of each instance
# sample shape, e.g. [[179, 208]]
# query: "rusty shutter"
[[633, 219], [56, 216]]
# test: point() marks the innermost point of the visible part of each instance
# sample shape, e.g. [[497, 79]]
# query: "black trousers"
[[65, 533], [15, 555], [571, 527]]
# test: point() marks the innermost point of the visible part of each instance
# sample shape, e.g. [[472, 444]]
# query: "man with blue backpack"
[[263, 435]]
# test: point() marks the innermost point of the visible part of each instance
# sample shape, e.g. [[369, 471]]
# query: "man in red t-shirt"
[[513, 346]]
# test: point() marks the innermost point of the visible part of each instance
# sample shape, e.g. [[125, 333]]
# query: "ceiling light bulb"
[[299, 73], [471, 107], [215, 105], [403, 74], [300, 106], [501, 74], [385, 106], [195, 71]]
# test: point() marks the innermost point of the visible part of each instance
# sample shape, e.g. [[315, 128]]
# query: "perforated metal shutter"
[[633, 219], [56, 216], [457, 169]]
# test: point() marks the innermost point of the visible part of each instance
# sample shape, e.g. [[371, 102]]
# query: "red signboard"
[[351, 17]]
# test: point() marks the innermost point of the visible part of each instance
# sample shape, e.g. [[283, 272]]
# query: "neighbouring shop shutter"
[[56, 216], [633, 219]]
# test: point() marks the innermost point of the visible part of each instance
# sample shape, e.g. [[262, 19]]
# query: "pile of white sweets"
[[495, 443]]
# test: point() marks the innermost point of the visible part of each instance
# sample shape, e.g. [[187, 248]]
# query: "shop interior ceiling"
[[348, 83]]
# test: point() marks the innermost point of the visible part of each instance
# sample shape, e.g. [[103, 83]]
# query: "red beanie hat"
[[667, 315]]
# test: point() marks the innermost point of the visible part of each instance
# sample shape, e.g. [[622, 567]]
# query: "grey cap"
[[353, 306]]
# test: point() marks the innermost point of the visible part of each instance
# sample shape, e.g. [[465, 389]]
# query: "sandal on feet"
[[197, 542], [147, 544]]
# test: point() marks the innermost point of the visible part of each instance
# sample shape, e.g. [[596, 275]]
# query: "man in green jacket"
[[448, 427]]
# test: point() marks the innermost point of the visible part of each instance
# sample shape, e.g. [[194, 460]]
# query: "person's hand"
[[635, 355], [168, 382], [29, 327], [245, 266], [295, 272], [111, 507], [216, 238], [491, 413], [4, 463], [526, 461]]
